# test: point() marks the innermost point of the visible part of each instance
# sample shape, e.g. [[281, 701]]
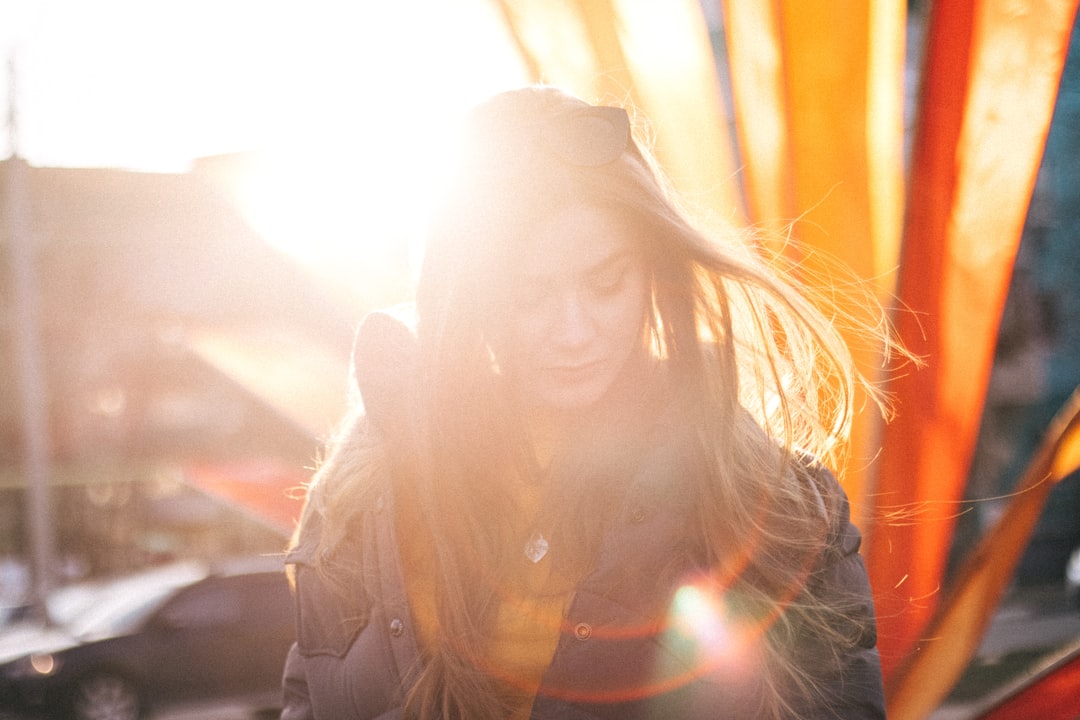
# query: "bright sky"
[[350, 102], [153, 84]]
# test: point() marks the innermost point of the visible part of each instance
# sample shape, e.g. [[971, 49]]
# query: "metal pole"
[[30, 373]]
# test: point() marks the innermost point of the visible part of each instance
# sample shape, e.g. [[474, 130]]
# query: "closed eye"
[[608, 280]]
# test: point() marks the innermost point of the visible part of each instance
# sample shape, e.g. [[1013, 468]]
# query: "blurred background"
[[215, 194], [200, 200]]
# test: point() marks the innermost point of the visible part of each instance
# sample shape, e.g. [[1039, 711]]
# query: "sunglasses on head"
[[587, 137]]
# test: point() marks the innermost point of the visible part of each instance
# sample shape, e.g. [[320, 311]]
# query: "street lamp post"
[[30, 375]]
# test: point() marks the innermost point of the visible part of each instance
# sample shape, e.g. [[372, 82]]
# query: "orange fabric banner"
[[990, 81], [1054, 695], [924, 679], [818, 88]]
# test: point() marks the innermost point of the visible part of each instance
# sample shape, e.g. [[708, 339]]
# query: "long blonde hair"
[[761, 378]]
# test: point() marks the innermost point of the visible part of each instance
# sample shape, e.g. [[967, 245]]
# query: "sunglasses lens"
[[591, 138]]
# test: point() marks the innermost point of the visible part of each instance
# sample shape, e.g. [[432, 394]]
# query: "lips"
[[576, 372]]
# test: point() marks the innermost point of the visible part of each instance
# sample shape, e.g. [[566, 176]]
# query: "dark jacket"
[[357, 649]]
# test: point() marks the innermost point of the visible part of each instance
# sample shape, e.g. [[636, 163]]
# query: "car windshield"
[[122, 605]]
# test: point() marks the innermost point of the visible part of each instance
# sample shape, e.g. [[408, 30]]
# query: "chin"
[[577, 399]]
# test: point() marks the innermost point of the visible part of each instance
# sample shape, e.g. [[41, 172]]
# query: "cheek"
[[529, 341]]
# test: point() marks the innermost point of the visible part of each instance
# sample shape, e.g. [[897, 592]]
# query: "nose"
[[574, 326]]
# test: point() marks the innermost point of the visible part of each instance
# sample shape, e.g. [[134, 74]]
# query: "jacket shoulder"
[[332, 602]]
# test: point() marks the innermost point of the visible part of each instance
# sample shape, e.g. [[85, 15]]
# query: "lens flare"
[[702, 626]]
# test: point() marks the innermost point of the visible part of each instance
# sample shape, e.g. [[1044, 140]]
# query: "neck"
[[548, 431], [551, 430]]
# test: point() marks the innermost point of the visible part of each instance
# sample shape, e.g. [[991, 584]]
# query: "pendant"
[[536, 548]]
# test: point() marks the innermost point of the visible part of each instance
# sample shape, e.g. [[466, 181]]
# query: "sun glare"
[[341, 110], [702, 625], [348, 197]]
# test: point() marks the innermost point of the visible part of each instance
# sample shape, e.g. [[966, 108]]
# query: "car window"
[[211, 603], [260, 598], [117, 613], [120, 606]]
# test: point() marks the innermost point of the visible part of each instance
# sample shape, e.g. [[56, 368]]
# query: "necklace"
[[536, 547]]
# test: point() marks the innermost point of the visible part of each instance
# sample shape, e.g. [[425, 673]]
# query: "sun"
[[344, 185]]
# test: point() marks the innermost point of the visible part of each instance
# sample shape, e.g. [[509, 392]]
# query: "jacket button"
[[397, 627], [583, 631]]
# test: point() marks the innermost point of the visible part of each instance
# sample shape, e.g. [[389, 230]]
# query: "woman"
[[589, 485]]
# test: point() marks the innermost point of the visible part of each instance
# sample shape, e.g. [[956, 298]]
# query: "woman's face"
[[577, 301]]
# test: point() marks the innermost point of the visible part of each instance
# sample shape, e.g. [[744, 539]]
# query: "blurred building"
[[151, 291]]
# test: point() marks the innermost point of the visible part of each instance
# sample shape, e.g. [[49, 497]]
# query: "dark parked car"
[[172, 635]]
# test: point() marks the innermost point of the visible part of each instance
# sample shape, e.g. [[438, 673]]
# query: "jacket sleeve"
[[296, 702], [296, 698], [853, 688], [332, 603], [327, 618]]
